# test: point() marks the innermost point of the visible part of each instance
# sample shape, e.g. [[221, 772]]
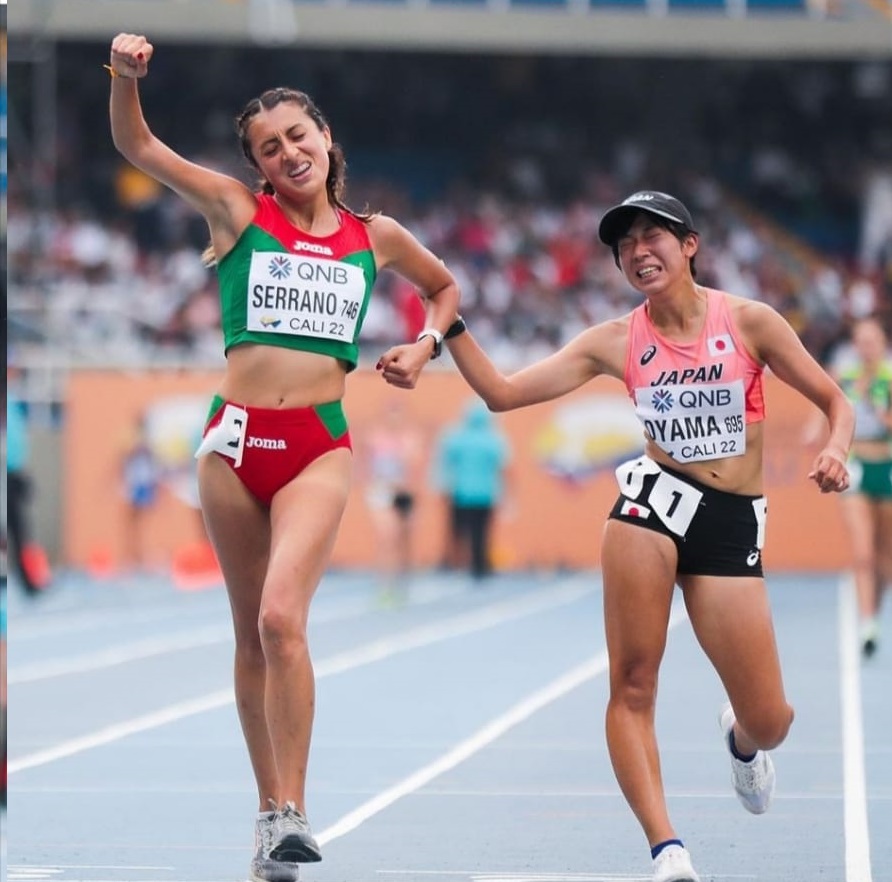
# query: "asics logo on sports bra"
[[312, 247], [266, 443], [649, 353]]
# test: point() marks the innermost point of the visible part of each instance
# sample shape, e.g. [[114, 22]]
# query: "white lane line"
[[478, 876], [111, 656], [194, 638], [63, 867], [857, 833], [493, 730], [376, 650], [170, 714]]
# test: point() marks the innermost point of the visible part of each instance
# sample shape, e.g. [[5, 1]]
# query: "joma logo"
[[266, 443]]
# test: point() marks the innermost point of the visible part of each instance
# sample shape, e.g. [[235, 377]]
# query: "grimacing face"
[[290, 149], [651, 256]]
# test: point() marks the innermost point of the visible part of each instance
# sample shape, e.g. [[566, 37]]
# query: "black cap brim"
[[619, 218]]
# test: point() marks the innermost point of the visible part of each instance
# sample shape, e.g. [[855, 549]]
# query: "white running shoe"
[[870, 636], [753, 781], [263, 867], [673, 864]]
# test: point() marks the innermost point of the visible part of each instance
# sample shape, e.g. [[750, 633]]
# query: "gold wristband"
[[111, 71]]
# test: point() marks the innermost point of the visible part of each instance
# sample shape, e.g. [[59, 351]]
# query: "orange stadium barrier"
[[563, 456]]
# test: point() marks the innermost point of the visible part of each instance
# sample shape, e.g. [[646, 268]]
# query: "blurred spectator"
[[390, 460], [470, 471], [140, 476], [29, 560]]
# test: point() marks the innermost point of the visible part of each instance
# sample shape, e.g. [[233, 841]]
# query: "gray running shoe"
[[292, 838], [263, 867]]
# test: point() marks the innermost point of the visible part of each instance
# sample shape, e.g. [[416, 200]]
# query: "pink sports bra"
[[694, 399]]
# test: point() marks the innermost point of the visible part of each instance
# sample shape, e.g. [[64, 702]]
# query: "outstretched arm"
[[227, 204], [777, 344], [595, 351]]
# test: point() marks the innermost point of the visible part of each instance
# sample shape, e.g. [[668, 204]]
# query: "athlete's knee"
[[282, 632], [634, 684], [769, 728]]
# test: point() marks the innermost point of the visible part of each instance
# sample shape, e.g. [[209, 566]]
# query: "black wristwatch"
[[436, 336], [456, 328]]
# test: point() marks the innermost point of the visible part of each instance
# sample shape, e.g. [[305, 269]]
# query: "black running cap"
[[618, 219]]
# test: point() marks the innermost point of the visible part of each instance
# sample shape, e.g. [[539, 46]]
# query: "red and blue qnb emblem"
[[662, 400], [280, 267]]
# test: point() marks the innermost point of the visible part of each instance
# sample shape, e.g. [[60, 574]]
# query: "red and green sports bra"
[[282, 287]]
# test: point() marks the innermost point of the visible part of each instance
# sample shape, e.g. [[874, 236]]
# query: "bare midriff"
[[275, 377], [734, 474]]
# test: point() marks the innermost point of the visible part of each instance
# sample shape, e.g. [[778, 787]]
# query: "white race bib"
[[228, 437], [695, 422], [673, 501], [304, 296]]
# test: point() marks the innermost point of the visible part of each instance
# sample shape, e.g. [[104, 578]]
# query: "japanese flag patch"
[[635, 510], [720, 345]]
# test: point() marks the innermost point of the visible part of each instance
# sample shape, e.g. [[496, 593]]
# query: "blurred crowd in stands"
[[786, 168]]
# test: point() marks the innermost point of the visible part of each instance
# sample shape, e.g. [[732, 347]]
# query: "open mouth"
[[299, 171]]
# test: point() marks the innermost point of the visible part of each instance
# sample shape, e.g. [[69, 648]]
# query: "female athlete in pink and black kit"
[[296, 269], [690, 510]]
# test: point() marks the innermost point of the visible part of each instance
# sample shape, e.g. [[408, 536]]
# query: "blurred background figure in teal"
[[470, 471]]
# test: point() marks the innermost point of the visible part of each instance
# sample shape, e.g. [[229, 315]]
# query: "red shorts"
[[268, 447]]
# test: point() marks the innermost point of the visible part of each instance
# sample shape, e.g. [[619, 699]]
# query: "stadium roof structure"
[[828, 29]]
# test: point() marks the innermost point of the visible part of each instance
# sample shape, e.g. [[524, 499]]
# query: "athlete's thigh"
[[638, 568], [305, 515], [731, 618], [238, 526]]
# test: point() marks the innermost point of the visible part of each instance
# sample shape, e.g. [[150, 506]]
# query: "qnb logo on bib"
[[695, 422], [280, 267], [266, 443], [663, 401]]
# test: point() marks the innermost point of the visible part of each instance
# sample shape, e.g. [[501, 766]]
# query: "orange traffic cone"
[[36, 566], [195, 568], [101, 562]]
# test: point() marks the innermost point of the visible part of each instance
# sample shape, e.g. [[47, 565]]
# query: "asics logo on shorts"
[[752, 558], [266, 443]]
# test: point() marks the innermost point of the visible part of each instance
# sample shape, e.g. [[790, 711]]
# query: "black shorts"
[[403, 502], [716, 533]]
